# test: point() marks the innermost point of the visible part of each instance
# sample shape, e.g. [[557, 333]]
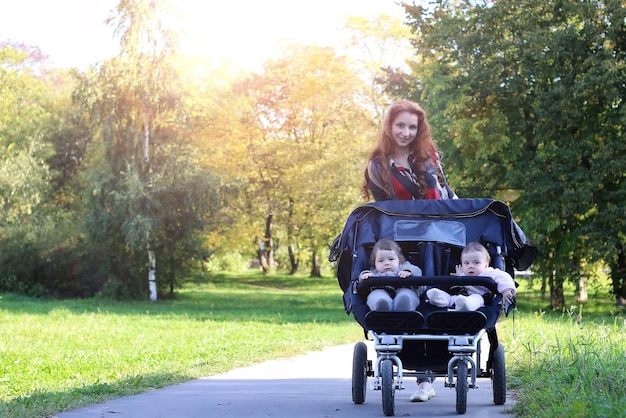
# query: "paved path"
[[314, 385]]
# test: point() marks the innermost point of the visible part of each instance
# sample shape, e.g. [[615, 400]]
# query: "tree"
[[26, 118], [45, 137], [145, 190], [378, 46], [23, 120], [305, 125], [528, 96]]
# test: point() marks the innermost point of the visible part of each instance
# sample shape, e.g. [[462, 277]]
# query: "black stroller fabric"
[[431, 234]]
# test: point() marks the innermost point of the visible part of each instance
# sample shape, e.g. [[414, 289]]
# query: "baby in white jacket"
[[474, 262]]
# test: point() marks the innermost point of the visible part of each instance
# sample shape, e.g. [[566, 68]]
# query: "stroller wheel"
[[388, 387], [462, 387], [498, 376], [359, 373]]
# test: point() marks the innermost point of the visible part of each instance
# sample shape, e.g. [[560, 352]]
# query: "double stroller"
[[430, 341]]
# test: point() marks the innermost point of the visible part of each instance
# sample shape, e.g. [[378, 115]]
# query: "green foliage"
[[300, 144], [146, 151], [43, 142], [231, 262], [566, 362], [529, 109], [23, 150], [51, 261], [377, 45], [144, 189]]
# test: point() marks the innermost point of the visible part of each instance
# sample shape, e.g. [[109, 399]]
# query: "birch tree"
[[148, 198], [147, 50]]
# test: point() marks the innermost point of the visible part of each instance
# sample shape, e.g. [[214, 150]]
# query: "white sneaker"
[[422, 395]]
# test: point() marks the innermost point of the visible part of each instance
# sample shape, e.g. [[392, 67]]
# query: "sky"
[[72, 33]]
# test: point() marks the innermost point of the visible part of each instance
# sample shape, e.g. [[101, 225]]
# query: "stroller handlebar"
[[442, 282]]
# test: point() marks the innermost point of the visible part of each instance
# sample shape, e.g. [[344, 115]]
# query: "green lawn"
[[569, 363], [59, 355]]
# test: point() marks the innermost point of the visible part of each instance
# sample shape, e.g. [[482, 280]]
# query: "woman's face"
[[404, 129]]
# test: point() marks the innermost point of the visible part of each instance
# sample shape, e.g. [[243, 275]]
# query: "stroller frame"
[[461, 346], [458, 332], [431, 341]]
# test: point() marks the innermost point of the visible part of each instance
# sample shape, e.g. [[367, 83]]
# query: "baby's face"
[[386, 260], [474, 263]]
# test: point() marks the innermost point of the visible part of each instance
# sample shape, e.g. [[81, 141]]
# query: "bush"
[[231, 262]]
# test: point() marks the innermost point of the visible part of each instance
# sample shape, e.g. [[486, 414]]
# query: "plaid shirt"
[[434, 189]]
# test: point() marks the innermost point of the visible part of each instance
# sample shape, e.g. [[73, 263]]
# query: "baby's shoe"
[[469, 303], [438, 297], [462, 304]]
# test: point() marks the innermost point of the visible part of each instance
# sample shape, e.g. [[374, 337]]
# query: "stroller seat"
[[429, 318], [456, 322], [395, 322], [438, 322]]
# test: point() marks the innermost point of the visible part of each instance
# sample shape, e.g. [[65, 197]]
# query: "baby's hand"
[[403, 274], [507, 295], [365, 275], [459, 271]]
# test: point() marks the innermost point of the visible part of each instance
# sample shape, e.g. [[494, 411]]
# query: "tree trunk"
[[557, 297], [293, 260], [544, 286], [266, 255], [172, 277], [152, 272], [581, 290], [152, 285], [316, 270], [618, 277], [146, 139]]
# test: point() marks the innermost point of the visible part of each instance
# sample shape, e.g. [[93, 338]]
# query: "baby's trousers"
[[405, 300]]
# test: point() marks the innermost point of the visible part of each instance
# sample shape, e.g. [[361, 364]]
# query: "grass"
[[569, 363], [60, 355]]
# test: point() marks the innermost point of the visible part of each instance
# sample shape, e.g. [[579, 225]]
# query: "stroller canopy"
[[453, 222]]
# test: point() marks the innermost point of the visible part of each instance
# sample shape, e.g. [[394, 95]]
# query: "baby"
[[387, 260], [474, 262]]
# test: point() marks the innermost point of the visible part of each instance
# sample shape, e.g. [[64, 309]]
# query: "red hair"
[[422, 149]]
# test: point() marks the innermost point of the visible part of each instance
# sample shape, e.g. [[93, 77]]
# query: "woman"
[[404, 165]]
